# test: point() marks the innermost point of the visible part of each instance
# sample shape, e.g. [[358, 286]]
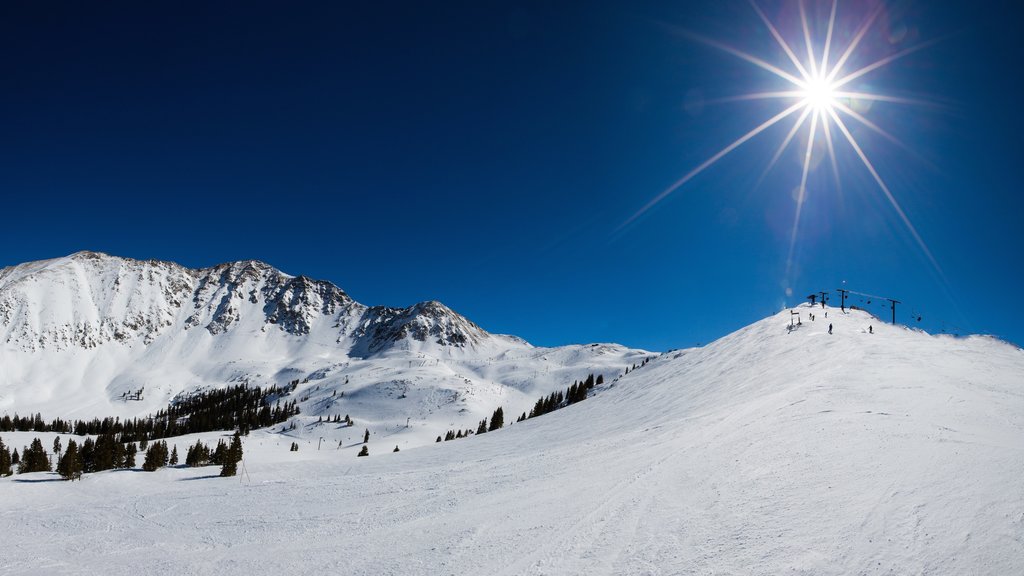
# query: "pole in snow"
[[893, 304], [842, 293]]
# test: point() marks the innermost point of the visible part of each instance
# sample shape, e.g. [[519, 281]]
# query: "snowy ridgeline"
[[95, 336], [769, 451]]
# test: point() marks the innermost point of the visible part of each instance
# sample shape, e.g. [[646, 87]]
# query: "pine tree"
[[366, 436], [156, 456], [15, 460], [497, 420], [232, 457], [130, 450], [438, 440], [86, 454], [56, 444], [69, 466], [34, 458], [364, 452], [5, 460], [396, 448], [482, 427], [174, 456]]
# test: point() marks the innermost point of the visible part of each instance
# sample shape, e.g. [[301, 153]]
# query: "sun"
[[819, 94]]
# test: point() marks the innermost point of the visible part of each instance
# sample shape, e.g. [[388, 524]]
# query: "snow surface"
[[769, 451]]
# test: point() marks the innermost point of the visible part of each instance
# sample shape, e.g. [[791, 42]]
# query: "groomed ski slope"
[[765, 452]]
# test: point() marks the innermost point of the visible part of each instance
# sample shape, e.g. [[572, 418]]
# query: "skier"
[[829, 328], [871, 329]]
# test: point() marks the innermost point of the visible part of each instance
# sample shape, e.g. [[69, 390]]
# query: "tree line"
[[107, 452], [577, 392], [236, 407]]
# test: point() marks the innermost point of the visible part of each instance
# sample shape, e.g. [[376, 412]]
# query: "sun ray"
[[807, 40], [832, 153], [882, 132], [892, 199], [782, 42], [743, 56], [717, 156], [828, 38], [884, 61], [853, 43], [785, 143], [782, 94], [874, 127], [801, 192], [885, 98]]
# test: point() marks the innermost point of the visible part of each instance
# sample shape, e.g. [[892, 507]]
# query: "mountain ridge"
[[78, 332]]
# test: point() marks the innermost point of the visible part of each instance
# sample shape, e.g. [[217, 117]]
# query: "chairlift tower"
[[893, 304], [842, 292]]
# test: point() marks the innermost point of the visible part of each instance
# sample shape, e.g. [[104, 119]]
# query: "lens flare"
[[817, 94]]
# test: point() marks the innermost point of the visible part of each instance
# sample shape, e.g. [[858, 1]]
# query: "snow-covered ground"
[[769, 451]]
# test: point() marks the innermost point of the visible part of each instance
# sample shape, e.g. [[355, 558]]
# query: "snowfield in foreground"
[[766, 452]]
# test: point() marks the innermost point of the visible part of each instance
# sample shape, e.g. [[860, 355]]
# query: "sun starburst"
[[819, 98]]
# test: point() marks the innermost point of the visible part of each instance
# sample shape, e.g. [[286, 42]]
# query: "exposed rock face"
[[88, 298]]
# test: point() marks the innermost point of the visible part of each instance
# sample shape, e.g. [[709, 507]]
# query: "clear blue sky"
[[485, 154]]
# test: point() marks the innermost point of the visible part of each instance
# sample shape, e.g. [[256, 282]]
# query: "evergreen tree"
[[396, 448], [15, 460], [156, 456], [56, 445], [34, 458], [86, 454], [480, 429], [174, 456], [438, 440], [364, 452], [69, 466], [197, 455], [5, 460], [130, 451], [497, 420], [232, 457], [103, 457], [120, 454], [366, 436]]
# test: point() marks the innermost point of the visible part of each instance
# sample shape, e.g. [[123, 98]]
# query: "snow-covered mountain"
[[78, 333], [873, 449]]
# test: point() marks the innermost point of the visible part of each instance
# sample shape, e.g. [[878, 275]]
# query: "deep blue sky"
[[484, 154]]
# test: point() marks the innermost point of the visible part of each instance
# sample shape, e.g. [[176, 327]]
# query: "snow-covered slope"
[[769, 451], [80, 335]]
